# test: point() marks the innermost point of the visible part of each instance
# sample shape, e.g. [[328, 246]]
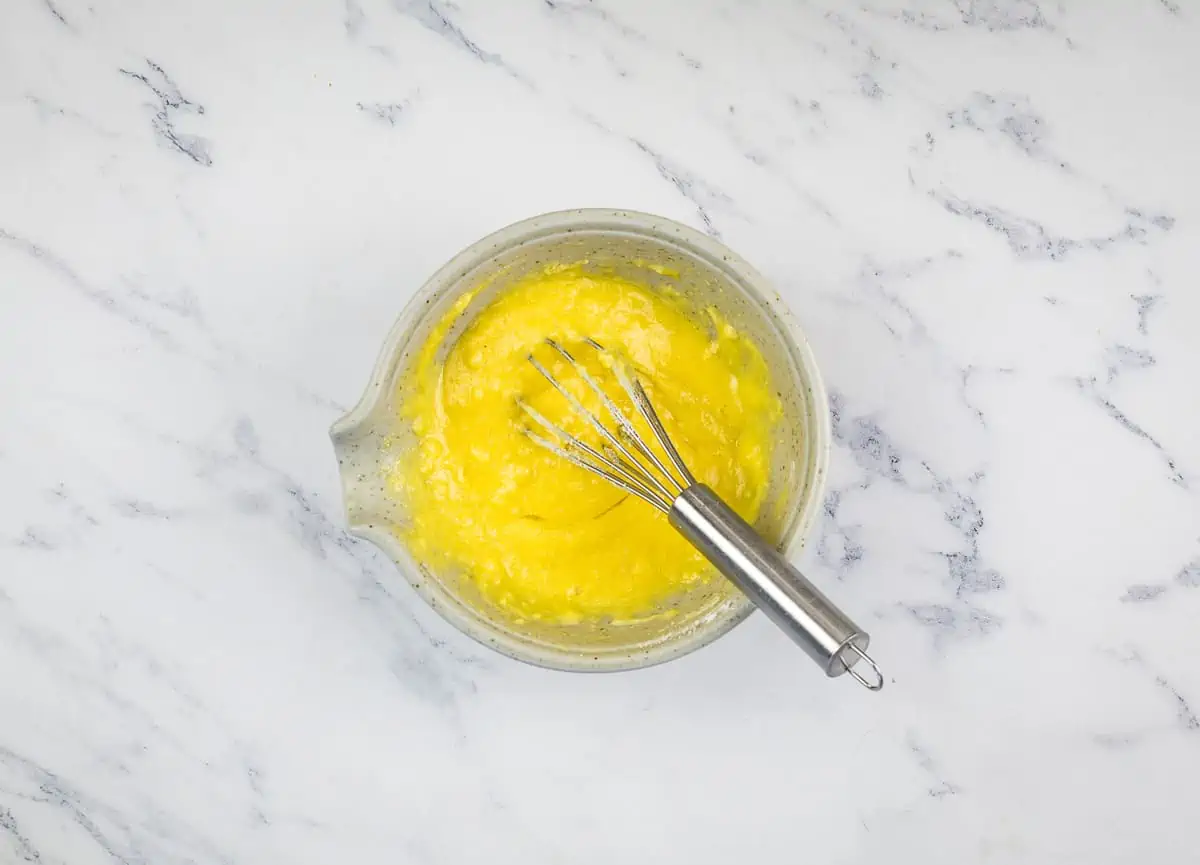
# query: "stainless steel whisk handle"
[[793, 603]]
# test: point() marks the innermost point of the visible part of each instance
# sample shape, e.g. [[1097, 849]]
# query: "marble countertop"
[[985, 213]]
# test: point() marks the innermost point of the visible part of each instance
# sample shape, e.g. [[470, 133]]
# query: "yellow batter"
[[544, 539]]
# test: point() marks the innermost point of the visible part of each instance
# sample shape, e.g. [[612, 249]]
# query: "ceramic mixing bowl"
[[655, 252]]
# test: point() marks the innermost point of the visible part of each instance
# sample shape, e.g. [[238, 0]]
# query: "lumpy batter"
[[544, 539]]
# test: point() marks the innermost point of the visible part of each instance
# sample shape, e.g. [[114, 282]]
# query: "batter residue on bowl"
[[544, 539]]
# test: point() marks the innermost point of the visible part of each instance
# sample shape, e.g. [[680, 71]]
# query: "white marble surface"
[[984, 211]]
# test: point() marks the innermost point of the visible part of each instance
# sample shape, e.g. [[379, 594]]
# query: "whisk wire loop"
[[627, 443], [614, 469]]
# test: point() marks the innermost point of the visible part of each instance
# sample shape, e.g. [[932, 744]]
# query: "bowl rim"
[[433, 592]]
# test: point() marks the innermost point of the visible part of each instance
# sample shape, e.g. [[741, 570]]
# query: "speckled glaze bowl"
[[371, 437]]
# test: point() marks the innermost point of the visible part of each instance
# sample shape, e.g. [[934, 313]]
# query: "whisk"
[[627, 461]]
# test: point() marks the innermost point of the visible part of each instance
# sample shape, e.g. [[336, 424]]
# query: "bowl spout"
[[359, 445]]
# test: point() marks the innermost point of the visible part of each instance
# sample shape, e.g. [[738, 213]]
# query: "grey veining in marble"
[[985, 213]]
